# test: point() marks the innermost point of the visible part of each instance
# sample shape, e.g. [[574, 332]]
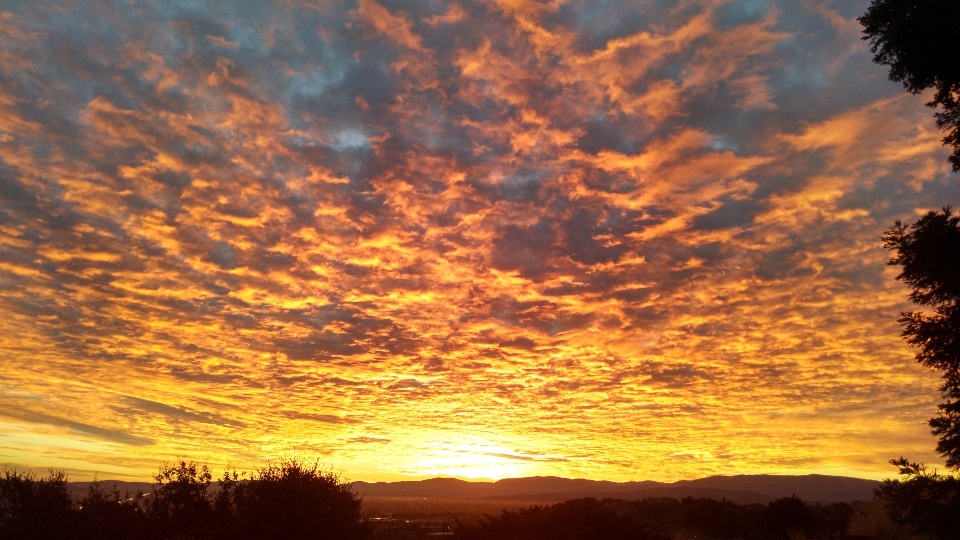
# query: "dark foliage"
[[294, 501], [108, 515], [660, 518], [924, 501], [702, 517], [831, 520], [291, 501], [581, 519], [928, 253], [920, 41], [180, 504], [786, 514], [33, 508]]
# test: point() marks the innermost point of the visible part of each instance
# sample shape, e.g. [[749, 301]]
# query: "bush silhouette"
[[34, 508], [581, 519], [925, 501], [787, 514], [180, 505], [109, 515], [292, 501], [289, 501]]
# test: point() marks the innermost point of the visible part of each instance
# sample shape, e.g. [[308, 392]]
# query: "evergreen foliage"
[[928, 254], [920, 41], [924, 501]]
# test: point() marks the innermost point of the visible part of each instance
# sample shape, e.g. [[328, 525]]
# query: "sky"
[[414, 238]]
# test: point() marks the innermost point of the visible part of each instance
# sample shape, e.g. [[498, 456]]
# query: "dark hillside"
[[742, 489]]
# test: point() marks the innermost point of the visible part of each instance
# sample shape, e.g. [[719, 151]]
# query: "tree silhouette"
[[180, 504], [920, 41], [34, 508], [925, 501], [108, 515], [928, 253], [288, 500], [581, 519], [292, 501], [789, 514]]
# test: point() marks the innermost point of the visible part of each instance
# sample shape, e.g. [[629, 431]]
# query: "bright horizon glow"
[[624, 241]]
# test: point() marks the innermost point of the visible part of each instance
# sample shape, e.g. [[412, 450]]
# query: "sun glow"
[[475, 460]]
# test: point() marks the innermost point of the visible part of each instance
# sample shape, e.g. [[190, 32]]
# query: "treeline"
[[665, 519], [922, 505], [290, 500], [293, 500]]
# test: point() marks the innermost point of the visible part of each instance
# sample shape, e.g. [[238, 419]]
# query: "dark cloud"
[[135, 405], [675, 377], [324, 418], [528, 458], [368, 440], [318, 346], [520, 342], [77, 427], [732, 213], [526, 250]]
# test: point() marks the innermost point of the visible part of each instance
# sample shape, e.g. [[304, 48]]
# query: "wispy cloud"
[[33, 417]]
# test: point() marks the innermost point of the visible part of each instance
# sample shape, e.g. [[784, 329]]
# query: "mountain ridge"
[[741, 489], [737, 488]]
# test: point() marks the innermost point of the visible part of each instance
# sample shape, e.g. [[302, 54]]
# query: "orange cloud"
[[474, 239]]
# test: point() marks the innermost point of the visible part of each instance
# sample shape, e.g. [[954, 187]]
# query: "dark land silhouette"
[[290, 500], [743, 489], [295, 500], [665, 519]]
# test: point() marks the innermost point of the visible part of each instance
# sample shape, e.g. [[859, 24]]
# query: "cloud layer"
[[588, 239]]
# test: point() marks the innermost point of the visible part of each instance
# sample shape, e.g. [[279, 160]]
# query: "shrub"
[[290, 500], [34, 508]]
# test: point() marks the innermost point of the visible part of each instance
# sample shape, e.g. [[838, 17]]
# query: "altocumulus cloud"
[[634, 237]]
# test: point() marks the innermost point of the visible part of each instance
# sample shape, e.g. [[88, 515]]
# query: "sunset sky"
[[598, 239]]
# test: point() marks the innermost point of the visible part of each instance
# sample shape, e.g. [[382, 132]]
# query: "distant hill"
[[79, 489], [741, 489], [811, 487]]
